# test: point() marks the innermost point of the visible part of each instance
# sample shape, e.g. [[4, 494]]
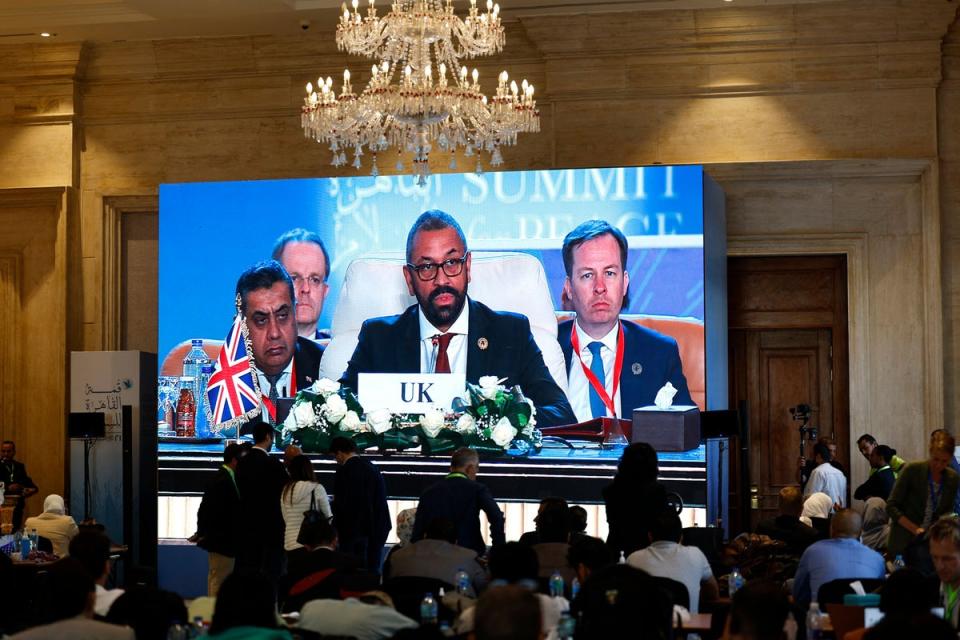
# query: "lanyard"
[[456, 474], [934, 497], [268, 403], [950, 601], [598, 385]]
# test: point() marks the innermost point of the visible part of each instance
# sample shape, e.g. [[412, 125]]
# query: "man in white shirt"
[[613, 367], [667, 558], [825, 478]]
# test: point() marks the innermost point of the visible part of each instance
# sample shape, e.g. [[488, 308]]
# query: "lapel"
[[408, 349], [630, 382], [479, 360]]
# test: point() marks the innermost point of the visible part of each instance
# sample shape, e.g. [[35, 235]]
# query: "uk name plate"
[[409, 392]]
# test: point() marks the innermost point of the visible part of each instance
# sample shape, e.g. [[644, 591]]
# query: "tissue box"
[[672, 430]]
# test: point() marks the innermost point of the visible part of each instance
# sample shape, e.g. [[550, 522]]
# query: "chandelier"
[[420, 97]]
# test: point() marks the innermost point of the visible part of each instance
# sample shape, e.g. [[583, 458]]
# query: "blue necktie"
[[597, 407]]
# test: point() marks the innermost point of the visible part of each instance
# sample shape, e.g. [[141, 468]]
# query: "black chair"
[[44, 544], [709, 540], [407, 592], [677, 590], [832, 592]]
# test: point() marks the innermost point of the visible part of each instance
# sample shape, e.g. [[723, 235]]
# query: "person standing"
[[826, 478], [300, 494], [633, 499], [17, 482], [218, 520], [360, 512]]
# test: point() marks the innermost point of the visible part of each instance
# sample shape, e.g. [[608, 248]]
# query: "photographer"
[[826, 478], [806, 466]]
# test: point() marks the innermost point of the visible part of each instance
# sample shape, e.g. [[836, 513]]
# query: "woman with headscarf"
[[876, 524], [54, 525], [634, 499], [404, 530], [816, 513]]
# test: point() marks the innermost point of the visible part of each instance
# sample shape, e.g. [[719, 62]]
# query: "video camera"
[[801, 413]]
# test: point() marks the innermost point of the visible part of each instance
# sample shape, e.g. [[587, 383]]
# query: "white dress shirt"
[[283, 382], [456, 350], [826, 478], [578, 389]]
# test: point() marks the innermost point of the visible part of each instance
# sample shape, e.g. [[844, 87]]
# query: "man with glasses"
[[447, 333], [305, 258]]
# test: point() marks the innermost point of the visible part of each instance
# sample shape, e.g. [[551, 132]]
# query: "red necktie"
[[443, 362]]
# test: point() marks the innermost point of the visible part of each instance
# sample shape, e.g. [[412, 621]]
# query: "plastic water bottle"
[[814, 622], [566, 626], [623, 559], [34, 538], [898, 563], [574, 588], [556, 585], [193, 364], [462, 580], [735, 581], [428, 610], [200, 628], [202, 428]]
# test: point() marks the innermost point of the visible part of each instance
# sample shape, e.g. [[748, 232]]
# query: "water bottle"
[[34, 538], [462, 580], [25, 548], [898, 563], [428, 610], [735, 581], [200, 628], [814, 622], [556, 585], [574, 588], [623, 559], [193, 364], [202, 427], [566, 626]]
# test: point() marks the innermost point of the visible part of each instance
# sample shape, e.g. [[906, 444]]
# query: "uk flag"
[[232, 392]]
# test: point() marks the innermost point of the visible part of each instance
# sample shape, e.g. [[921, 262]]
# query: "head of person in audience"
[[758, 611], [245, 599], [508, 612], [304, 256], [944, 538], [92, 550], [300, 470], [614, 601], [907, 592], [263, 434], [881, 455], [578, 519], [514, 563], [865, 444], [438, 267], [638, 464], [232, 454], [926, 625], [876, 527], [791, 501], [405, 521], [343, 449], [816, 505], [54, 504], [267, 303], [441, 529], [846, 523], [666, 527], [553, 524], [69, 591], [942, 445], [587, 555], [550, 502], [290, 452], [8, 451], [149, 611], [317, 534], [466, 461], [595, 260]]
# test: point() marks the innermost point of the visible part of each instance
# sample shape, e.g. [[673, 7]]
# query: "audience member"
[[67, 607], [578, 522], [876, 524], [842, 556], [906, 595], [92, 550], [302, 492], [553, 527], [826, 478], [533, 537], [218, 520], [246, 608], [924, 491], [881, 480], [17, 483], [438, 556], [260, 479], [926, 626], [460, 499], [787, 526], [623, 602], [508, 613], [316, 569], [816, 513], [945, 554], [867, 442], [149, 611], [360, 511], [758, 611], [54, 525], [666, 557], [405, 520], [633, 498], [364, 619], [290, 452], [588, 555]]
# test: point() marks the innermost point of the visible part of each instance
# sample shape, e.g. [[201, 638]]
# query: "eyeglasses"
[[428, 270], [315, 281]]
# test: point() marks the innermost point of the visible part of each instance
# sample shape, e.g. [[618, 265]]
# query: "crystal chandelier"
[[419, 96]]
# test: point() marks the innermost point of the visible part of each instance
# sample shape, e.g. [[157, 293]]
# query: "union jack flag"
[[232, 393]]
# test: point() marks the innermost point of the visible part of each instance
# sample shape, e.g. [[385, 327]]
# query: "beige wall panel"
[[948, 114], [35, 156]]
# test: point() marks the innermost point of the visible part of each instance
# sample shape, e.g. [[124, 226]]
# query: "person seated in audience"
[[67, 607], [633, 498], [301, 493], [553, 526], [881, 480], [666, 557], [927, 626], [816, 513], [92, 550], [866, 444], [945, 553], [54, 525], [370, 616], [787, 525], [876, 524], [404, 530], [623, 602], [246, 608], [758, 611], [508, 612], [842, 556], [587, 555], [316, 569], [906, 595], [924, 491], [439, 557], [826, 478], [550, 502], [149, 611]]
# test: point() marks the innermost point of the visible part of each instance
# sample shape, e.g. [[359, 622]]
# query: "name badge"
[[409, 392]]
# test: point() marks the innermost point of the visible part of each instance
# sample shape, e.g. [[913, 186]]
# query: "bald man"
[[842, 556]]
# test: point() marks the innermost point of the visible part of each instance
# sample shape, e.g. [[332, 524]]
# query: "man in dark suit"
[[360, 511], [218, 520], [607, 377], [446, 333], [459, 498], [285, 362], [16, 480], [304, 256], [317, 570], [260, 480]]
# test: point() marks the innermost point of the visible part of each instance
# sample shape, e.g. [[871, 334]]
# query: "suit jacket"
[[218, 518], [306, 359], [909, 498], [657, 354], [260, 479], [360, 502], [458, 499], [437, 559], [392, 345]]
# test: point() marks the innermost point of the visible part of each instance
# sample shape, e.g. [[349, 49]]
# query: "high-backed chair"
[[374, 286]]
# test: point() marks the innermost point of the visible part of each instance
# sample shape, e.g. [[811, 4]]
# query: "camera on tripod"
[[801, 413]]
